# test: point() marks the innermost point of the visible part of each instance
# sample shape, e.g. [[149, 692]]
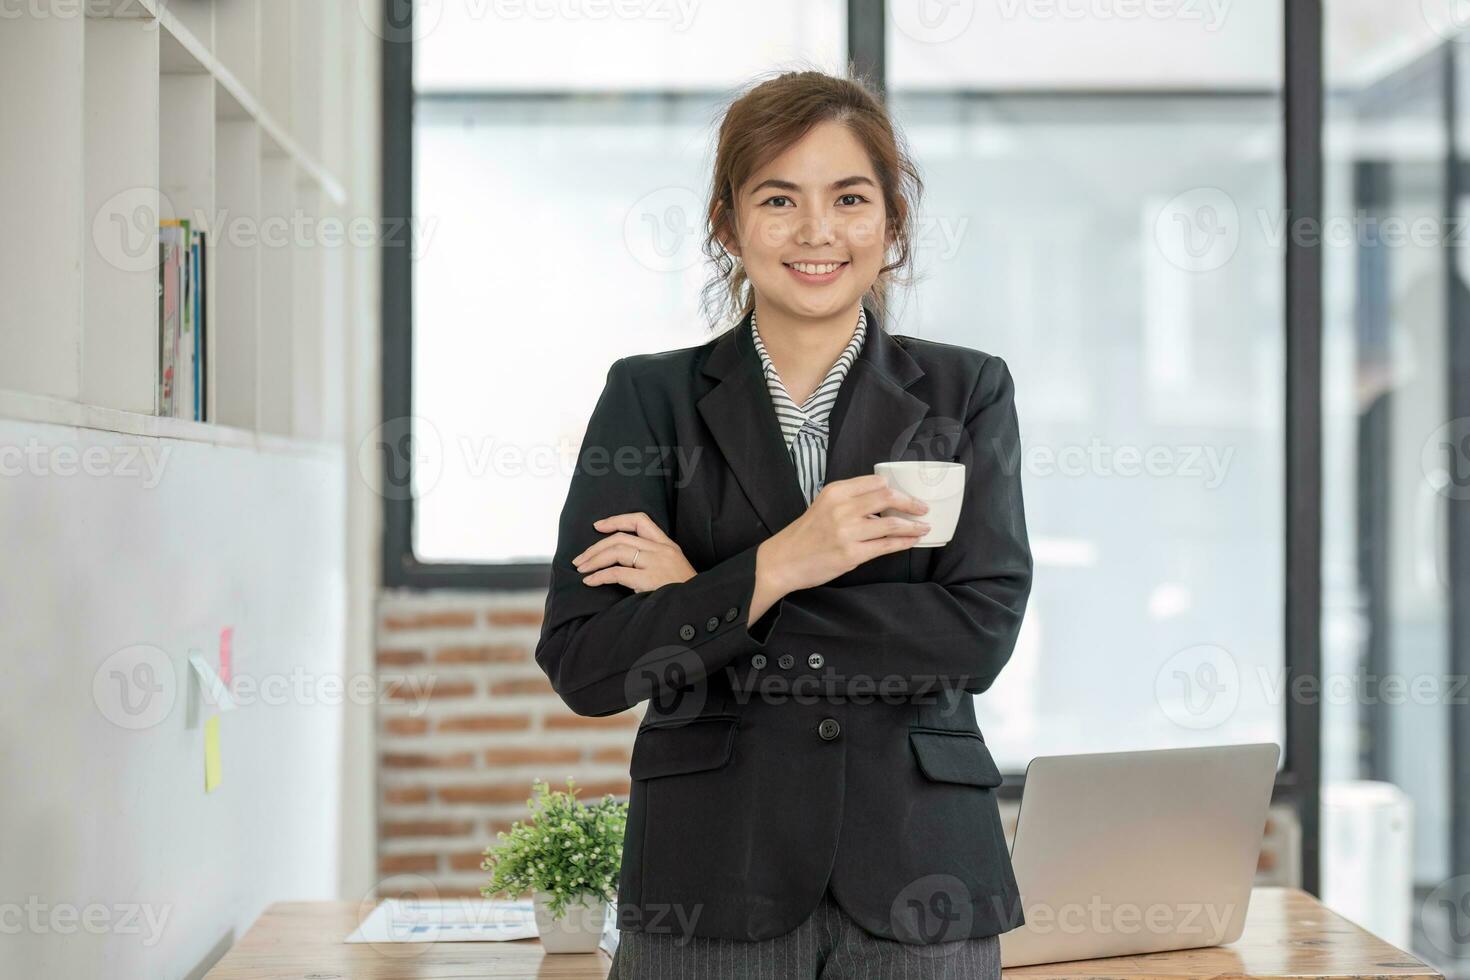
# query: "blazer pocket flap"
[[955, 757], [667, 750]]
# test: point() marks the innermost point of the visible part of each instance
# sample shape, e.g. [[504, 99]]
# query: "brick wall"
[[466, 724], [468, 721]]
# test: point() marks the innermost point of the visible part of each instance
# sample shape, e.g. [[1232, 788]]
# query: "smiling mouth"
[[815, 268]]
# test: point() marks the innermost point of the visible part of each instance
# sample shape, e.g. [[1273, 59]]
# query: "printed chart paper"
[[398, 920]]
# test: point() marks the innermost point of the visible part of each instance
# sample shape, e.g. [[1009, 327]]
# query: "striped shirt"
[[805, 427]]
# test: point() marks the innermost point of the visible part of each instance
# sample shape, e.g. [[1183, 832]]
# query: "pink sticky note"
[[226, 639]]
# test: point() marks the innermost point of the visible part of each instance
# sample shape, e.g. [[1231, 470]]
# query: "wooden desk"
[[1288, 933]]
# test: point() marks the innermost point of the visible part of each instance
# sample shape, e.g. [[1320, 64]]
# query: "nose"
[[814, 230]]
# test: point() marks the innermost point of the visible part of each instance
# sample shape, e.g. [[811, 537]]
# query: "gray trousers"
[[829, 945]]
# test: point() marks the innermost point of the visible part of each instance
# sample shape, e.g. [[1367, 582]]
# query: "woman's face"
[[817, 204]]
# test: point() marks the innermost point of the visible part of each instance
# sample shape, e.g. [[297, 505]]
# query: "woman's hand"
[[837, 533], [635, 553]]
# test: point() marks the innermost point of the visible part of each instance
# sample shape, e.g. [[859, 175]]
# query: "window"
[[1101, 193], [560, 172]]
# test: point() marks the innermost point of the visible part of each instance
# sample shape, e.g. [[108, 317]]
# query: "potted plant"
[[567, 855]]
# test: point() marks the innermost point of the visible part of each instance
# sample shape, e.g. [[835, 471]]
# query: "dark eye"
[[858, 197], [778, 197]]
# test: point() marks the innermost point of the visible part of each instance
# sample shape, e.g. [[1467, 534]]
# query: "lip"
[[817, 280]]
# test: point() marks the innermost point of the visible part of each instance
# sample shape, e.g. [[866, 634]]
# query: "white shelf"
[[143, 110], [236, 273], [120, 263], [41, 173], [181, 50], [25, 407]]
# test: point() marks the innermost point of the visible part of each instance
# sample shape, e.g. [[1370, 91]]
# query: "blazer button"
[[786, 661], [712, 624], [731, 613], [829, 729], [686, 632], [758, 660], [815, 661]]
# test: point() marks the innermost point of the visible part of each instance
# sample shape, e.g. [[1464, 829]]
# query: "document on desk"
[[461, 920], [451, 920]]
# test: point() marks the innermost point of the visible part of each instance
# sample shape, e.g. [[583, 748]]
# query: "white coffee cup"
[[939, 483]]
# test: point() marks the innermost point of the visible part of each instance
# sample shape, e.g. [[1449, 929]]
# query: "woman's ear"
[[725, 232], [730, 247]]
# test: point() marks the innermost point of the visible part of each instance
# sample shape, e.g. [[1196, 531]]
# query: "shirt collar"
[[814, 414]]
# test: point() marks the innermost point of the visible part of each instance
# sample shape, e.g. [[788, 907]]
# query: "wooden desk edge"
[[307, 937]]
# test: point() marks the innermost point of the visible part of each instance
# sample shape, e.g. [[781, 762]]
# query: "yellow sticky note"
[[211, 754]]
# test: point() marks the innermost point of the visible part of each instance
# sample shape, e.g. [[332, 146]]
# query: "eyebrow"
[[786, 185]]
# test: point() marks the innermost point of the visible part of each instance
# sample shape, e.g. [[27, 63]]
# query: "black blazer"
[[835, 739]]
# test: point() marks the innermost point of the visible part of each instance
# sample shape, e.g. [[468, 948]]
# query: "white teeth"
[[815, 270]]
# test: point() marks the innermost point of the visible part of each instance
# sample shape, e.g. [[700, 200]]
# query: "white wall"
[[162, 549]]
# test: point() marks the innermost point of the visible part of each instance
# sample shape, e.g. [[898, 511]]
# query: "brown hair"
[[761, 124]]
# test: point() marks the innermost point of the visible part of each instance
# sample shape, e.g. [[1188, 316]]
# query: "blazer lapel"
[[739, 413], [875, 417], [872, 420]]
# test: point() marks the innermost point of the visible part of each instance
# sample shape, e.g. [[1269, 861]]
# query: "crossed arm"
[[606, 647]]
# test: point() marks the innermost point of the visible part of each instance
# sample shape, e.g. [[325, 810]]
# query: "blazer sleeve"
[[958, 629], [605, 648]]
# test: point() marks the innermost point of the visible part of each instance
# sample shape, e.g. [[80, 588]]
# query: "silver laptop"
[[1118, 853]]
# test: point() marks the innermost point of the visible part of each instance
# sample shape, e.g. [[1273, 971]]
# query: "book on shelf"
[[182, 352]]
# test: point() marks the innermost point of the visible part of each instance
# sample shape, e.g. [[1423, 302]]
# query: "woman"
[[811, 794]]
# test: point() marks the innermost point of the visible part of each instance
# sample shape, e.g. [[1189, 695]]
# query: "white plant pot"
[[579, 930]]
